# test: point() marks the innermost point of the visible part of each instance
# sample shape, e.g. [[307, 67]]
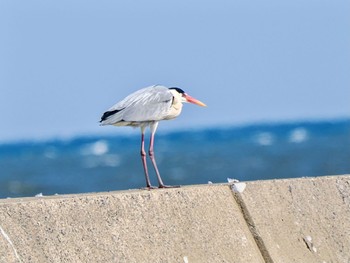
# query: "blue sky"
[[63, 63]]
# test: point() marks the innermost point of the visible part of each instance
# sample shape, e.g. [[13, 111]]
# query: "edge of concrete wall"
[[286, 220]]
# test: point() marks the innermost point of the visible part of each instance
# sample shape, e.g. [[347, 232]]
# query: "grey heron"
[[146, 107]]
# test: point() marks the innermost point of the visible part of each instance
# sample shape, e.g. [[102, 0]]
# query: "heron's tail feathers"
[[110, 117]]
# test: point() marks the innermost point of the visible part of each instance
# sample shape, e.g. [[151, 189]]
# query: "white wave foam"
[[264, 138], [97, 148], [298, 135]]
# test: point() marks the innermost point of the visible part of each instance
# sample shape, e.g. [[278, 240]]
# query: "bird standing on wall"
[[146, 107]]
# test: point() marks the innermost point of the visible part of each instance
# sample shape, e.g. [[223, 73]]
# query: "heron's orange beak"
[[194, 101]]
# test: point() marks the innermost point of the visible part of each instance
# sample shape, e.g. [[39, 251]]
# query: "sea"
[[197, 156]]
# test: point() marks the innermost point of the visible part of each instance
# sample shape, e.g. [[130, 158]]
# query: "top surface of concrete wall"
[[292, 220]]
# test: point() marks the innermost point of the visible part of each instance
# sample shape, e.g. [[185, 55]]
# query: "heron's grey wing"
[[151, 103]]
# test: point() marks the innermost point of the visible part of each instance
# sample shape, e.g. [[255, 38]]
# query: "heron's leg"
[[143, 157], [152, 157], [151, 152]]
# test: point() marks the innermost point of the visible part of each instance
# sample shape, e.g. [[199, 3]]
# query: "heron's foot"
[[169, 186], [150, 187]]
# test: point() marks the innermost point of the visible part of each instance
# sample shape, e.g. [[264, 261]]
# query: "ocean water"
[[100, 163]]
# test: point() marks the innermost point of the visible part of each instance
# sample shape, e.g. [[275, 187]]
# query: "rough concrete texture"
[[188, 224], [292, 220], [300, 220]]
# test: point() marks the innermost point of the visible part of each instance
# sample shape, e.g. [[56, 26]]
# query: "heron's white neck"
[[176, 107]]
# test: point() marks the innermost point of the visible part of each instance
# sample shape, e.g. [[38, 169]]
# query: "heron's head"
[[185, 98]]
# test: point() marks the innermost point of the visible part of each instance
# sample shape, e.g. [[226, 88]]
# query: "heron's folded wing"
[[148, 104], [152, 105]]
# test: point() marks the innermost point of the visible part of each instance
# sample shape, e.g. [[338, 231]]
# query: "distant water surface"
[[91, 164]]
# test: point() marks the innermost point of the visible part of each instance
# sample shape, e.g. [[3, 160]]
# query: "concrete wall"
[[294, 220]]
